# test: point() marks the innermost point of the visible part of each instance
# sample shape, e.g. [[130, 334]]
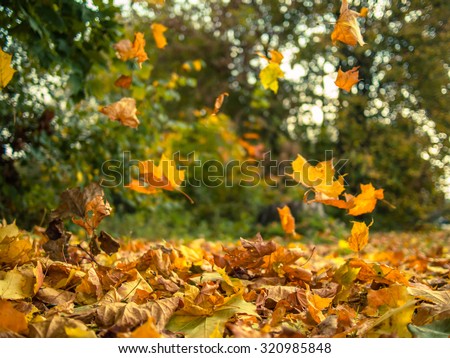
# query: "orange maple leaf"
[[347, 29], [365, 202], [123, 81], [347, 79], [287, 220], [319, 178], [164, 176], [158, 34], [123, 111], [126, 50]]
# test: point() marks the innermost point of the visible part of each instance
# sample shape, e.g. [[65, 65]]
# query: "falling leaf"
[[11, 319], [366, 201], [287, 220], [270, 74], [219, 101], [347, 29], [359, 236], [363, 12], [123, 111], [319, 177], [6, 71], [96, 210], [158, 34], [346, 80], [142, 188], [123, 81], [126, 50], [165, 176]]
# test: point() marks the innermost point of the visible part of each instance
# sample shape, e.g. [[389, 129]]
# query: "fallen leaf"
[[15, 285], [347, 29], [347, 79], [108, 243], [11, 319], [55, 327], [123, 111], [147, 330], [6, 71], [437, 329], [158, 34]]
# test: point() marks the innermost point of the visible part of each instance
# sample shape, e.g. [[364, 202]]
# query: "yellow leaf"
[[79, 332], [126, 50], [139, 187], [6, 71], [347, 29], [363, 12], [158, 34], [347, 79], [359, 236], [365, 202], [14, 285], [269, 76], [123, 111], [316, 304], [319, 177], [11, 319]]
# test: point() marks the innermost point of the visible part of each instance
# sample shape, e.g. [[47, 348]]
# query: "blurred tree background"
[[393, 127]]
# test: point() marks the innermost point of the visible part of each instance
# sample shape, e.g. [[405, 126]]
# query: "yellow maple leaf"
[[365, 202], [6, 71], [347, 79], [347, 29], [123, 111], [164, 176], [320, 177], [270, 74], [359, 236], [158, 34]]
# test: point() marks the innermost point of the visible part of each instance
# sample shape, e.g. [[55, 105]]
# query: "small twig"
[[88, 253], [310, 256]]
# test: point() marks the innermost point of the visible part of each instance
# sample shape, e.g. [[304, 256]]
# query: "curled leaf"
[[347, 29], [219, 101], [123, 111]]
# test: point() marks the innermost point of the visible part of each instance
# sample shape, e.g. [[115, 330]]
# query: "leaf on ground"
[[59, 327], [147, 330], [194, 326], [16, 285], [437, 329], [11, 319], [123, 111]]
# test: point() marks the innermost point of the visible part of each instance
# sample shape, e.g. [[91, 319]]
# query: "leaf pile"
[[397, 287]]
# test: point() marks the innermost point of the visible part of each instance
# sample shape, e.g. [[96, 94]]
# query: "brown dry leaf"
[[55, 327], [96, 210], [347, 29], [158, 34], [11, 319], [123, 81], [39, 275], [123, 111], [346, 80], [359, 237], [219, 101], [55, 296], [108, 243]]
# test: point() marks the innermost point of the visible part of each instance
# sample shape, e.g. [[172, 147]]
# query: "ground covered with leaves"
[[398, 286]]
